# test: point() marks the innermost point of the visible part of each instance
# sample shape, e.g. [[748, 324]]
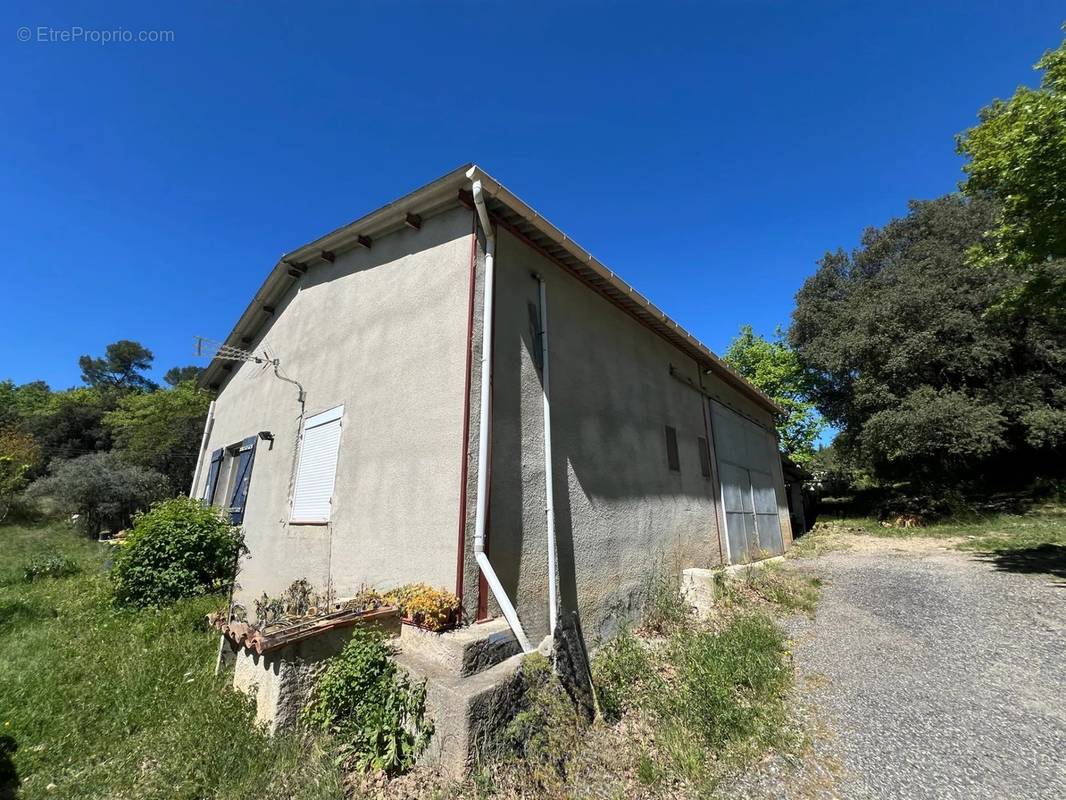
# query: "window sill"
[[308, 522]]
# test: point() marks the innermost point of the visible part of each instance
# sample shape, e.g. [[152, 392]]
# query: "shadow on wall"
[[604, 448], [1045, 559]]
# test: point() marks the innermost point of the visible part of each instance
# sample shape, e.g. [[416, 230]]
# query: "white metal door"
[[749, 498]]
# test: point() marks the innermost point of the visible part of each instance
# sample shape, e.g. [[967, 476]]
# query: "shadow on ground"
[[9, 778], [1045, 559]]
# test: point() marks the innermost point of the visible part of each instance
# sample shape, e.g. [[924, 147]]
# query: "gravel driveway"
[[938, 675]]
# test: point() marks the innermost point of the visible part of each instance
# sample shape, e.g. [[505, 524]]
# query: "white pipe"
[[549, 488], [485, 425], [208, 424]]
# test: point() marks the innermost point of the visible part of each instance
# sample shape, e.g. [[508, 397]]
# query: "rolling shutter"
[[246, 456], [212, 476], [317, 471]]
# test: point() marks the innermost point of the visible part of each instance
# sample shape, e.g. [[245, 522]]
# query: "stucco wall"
[[383, 331], [621, 514]]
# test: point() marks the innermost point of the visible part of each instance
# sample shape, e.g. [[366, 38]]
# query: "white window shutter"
[[317, 469]]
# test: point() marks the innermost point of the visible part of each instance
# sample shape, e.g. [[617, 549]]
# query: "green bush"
[[49, 565], [371, 706], [180, 548], [729, 686]]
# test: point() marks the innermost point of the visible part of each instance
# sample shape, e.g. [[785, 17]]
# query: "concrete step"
[[463, 652], [468, 711]]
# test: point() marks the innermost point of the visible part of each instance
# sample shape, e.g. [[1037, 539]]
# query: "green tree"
[[161, 429], [1017, 154], [19, 457], [176, 375], [67, 424], [775, 369], [121, 367], [923, 383]]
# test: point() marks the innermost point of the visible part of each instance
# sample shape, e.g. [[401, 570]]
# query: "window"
[[671, 449], [229, 477], [705, 456], [317, 469]]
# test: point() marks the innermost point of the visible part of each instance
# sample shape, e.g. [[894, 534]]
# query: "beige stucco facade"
[[383, 332], [393, 333]]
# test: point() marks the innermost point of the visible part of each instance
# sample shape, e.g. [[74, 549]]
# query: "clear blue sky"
[[708, 152]]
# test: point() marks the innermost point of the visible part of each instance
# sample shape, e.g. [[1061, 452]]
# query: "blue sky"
[[708, 152]]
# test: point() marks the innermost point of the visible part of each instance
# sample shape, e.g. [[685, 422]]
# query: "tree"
[[67, 424], [905, 359], [161, 430], [19, 456], [101, 488], [1017, 154], [120, 368], [774, 368], [176, 375]]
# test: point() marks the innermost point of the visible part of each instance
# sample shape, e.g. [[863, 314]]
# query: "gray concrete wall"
[[383, 331], [621, 514]]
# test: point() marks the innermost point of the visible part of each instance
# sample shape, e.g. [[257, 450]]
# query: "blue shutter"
[[244, 476], [212, 476]]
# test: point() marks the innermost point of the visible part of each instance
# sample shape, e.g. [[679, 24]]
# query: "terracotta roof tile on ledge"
[[243, 634]]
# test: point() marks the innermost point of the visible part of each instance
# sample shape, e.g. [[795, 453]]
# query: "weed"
[[547, 729], [729, 686], [371, 706], [664, 609], [647, 771], [50, 565], [620, 670]]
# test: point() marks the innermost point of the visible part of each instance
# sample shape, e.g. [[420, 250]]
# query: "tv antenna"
[[208, 348]]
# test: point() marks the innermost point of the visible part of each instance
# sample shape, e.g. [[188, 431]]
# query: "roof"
[[517, 217]]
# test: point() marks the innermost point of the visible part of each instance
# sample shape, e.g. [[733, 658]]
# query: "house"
[[451, 390]]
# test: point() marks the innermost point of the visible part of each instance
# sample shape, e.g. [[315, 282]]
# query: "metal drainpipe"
[[485, 425], [549, 488], [208, 424]]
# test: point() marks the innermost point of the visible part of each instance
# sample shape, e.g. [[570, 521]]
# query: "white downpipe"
[[485, 425], [549, 488], [208, 424]]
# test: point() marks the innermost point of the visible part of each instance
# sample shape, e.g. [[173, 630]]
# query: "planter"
[[274, 637]]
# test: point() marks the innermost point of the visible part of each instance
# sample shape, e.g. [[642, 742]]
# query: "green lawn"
[[1033, 541], [99, 702]]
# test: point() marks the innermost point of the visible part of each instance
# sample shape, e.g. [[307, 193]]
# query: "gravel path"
[[938, 675]]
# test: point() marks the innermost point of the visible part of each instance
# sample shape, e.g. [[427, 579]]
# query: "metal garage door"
[[745, 455]]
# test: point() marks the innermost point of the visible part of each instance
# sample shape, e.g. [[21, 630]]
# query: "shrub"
[[371, 706], [728, 686], [435, 609], [102, 489], [49, 565], [181, 548]]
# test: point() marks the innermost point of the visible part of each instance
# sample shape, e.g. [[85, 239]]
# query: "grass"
[[1033, 541], [97, 701]]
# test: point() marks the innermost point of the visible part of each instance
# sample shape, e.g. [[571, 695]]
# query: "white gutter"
[[208, 424], [485, 424], [549, 488]]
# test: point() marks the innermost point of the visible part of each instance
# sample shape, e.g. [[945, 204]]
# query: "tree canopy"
[[904, 357], [121, 367], [161, 430], [775, 369], [1017, 154], [176, 375]]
